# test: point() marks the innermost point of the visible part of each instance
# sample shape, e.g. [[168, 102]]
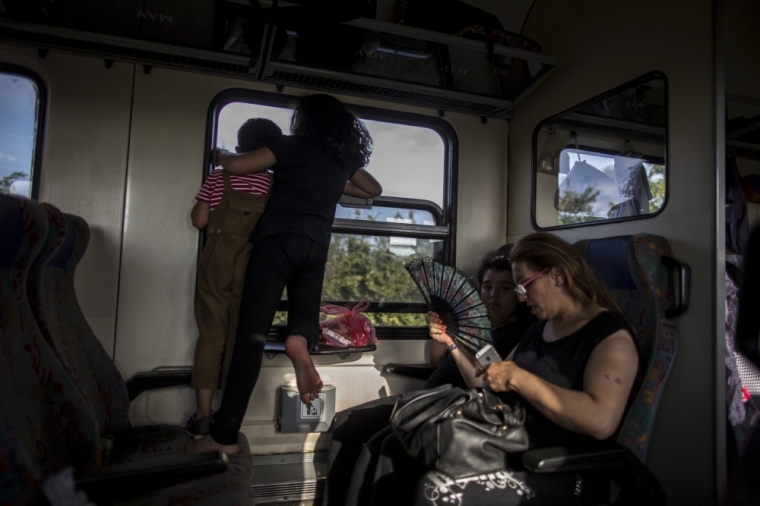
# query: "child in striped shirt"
[[228, 207]]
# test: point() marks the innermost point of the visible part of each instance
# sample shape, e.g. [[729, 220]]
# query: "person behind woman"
[[576, 370], [355, 427], [322, 159], [509, 320]]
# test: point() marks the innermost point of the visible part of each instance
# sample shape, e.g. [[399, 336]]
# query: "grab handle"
[[682, 290]]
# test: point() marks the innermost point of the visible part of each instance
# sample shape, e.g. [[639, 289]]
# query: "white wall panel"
[[601, 46], [84, 163]]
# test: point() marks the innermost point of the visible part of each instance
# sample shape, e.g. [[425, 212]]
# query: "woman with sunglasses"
[[509, 320], [576, 369]]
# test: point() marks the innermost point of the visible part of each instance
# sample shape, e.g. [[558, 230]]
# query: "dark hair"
[[255, 133], [499, 262], [325, 120], [544, 251]]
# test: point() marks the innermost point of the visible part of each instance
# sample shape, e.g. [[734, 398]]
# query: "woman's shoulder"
[[607, 323]]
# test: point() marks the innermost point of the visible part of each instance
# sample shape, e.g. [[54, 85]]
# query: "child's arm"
[[245, 163], [199, 214], [363, 185]]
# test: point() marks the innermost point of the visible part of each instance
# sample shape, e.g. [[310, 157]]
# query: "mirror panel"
[[604, 159]]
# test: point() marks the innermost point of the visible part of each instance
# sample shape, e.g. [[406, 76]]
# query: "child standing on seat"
[[229, 207], [323, 158]]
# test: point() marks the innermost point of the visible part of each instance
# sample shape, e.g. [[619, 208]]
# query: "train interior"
[[110, 115]]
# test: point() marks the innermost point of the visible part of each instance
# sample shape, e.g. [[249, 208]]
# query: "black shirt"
[[505, 338], [563, 363], [308, 183]]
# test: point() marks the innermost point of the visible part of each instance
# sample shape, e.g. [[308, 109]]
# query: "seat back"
[[632, 269], [53, 300], [46, 424]]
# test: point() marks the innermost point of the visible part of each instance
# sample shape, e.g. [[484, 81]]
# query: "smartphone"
[[487, 355]]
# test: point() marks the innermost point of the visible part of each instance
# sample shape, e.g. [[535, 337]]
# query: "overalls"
[[221, 273]]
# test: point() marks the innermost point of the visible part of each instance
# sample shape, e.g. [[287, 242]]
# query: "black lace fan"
[[450, 293]]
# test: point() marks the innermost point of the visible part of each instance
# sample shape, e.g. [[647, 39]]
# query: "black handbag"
[[459, 432]]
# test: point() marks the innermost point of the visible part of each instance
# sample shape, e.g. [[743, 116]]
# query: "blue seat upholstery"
[[633, 269]]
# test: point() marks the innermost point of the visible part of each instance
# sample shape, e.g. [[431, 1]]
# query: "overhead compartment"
[[364, 57]]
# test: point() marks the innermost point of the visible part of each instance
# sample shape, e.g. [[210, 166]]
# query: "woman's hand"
[[221, 157], [499, 377], [437, 329]]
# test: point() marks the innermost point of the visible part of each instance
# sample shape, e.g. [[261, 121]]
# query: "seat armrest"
[[143, 381], [638, 482], [418, 371], [572, 459], [147, 474]]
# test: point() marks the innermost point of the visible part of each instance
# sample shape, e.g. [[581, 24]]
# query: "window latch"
[[355, 202]]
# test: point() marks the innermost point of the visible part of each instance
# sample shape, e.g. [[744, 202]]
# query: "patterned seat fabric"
[[631, 268], [45, 423], [70, 405], [50, 287]]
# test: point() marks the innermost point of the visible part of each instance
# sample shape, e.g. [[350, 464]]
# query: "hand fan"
[[450, 293]]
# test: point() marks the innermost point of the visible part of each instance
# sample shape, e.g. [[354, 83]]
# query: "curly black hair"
[[325, 120], [255, 133]]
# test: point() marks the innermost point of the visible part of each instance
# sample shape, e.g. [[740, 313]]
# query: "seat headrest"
[[11, 231], [609, 259], [61, 258]]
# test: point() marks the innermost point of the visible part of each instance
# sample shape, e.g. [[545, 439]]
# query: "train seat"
[[639, 271], [64, 403]]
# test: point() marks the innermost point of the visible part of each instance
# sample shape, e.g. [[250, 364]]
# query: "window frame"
[[656, 74], [445, 216], [36, 166]]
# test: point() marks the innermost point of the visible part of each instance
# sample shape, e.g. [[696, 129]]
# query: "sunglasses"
[[520, 289]]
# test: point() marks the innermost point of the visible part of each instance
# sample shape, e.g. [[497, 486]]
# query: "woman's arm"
[[199, 214], [245, 163], [597, 409], [465, 361], [363, 184]]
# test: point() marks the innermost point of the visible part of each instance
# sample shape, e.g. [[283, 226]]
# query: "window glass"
[[409, 161], [600, 186], [19, 115], [387, 214]]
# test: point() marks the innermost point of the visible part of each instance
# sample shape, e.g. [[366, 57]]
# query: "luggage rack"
[[451, 75]]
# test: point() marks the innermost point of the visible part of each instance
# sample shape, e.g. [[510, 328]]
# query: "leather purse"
[[460, 433]]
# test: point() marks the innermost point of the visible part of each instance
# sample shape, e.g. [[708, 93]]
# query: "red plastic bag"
[[350, 328]]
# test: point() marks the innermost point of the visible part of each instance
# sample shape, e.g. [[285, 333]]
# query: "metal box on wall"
[[295, 416]]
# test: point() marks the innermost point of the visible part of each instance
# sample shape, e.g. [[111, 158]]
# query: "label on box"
[[313, 411]]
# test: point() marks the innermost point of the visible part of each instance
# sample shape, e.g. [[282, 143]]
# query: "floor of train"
[[289, 479]]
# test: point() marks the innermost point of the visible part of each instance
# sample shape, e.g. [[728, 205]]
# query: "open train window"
[[22, 98], [413, 157], [604, 159]]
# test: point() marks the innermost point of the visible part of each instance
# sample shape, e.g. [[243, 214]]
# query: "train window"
[[21, 105], [603, 160], [372, 241]]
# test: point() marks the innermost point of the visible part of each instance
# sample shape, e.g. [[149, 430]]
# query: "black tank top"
[[563, 363]]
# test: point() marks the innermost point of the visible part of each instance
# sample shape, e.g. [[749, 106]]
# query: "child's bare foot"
[[307, 378], [206, 444]]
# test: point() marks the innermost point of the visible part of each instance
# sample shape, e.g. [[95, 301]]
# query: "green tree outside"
[[5, 183], [657, 187], [363, 267], [577, 207]]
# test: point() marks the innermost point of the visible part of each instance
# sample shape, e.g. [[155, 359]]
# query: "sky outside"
[[408, 161], [18, 103]]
